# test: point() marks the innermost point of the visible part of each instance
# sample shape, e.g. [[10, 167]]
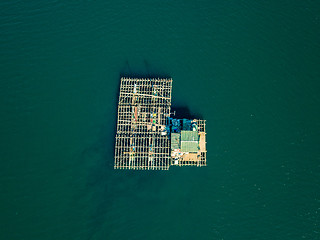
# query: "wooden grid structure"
[[143, 139], [144, 105]]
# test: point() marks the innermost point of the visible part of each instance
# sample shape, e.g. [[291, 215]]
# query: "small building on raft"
[[148, 136]]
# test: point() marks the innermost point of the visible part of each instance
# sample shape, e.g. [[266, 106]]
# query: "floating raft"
[[148, 138]]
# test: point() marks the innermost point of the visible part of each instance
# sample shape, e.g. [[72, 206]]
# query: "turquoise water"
[[250, 68]]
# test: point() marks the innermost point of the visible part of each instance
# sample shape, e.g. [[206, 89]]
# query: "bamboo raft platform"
[[147, 137]]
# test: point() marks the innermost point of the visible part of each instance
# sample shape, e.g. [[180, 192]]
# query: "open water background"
[[250, 68]]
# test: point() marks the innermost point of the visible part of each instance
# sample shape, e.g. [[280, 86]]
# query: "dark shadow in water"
[[147, 73], [184, 112], [108, 188], [96, 194]]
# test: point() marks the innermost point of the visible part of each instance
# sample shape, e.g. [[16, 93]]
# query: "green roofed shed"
[[189, 141], [189, 136]]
